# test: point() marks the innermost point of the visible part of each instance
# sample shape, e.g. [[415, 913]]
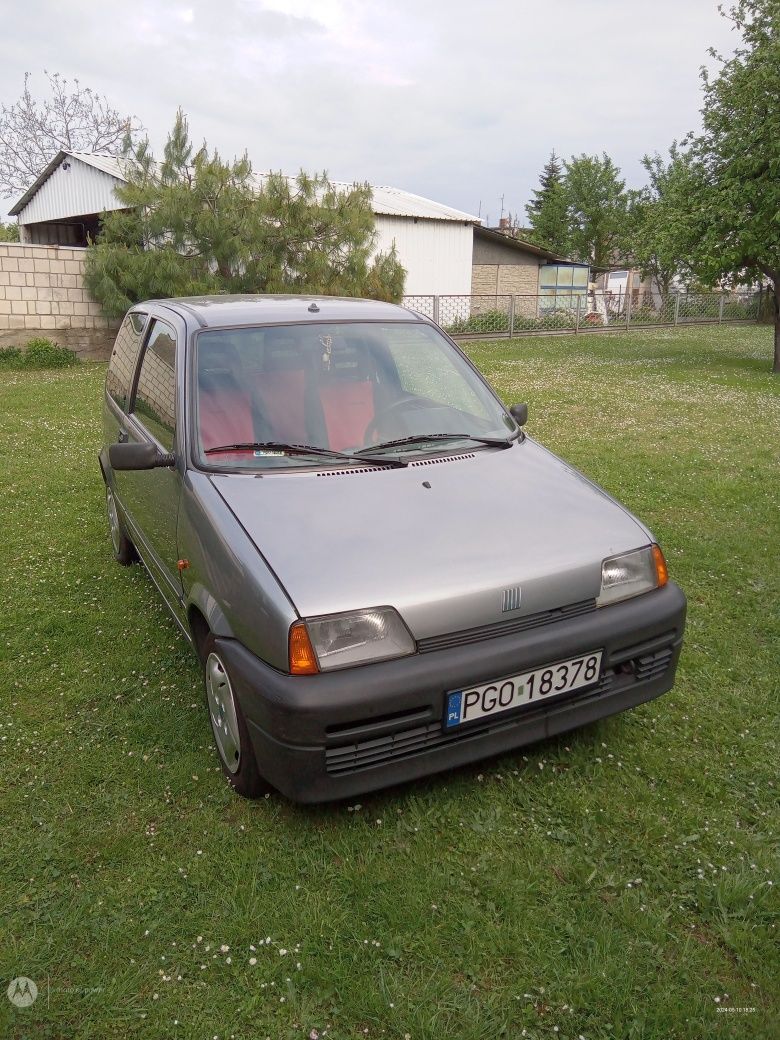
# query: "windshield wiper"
[[420, 438], [301, 449]]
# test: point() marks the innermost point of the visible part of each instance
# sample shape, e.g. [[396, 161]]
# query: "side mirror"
[[142, 455], [519, 413]]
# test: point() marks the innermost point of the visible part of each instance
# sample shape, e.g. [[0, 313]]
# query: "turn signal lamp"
[[303, 660], [661, 570]]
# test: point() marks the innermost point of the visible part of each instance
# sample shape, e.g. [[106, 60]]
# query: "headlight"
[[631, 573], [340, 640]]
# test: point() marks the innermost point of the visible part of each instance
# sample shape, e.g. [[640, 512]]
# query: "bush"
[[38, 353], [646, 316], [10, 356], [42, 353], [553, 320], [486, 321], [698, 308]]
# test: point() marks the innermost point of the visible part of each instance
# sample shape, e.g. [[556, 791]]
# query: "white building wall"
[[435, 253], [76, 192]]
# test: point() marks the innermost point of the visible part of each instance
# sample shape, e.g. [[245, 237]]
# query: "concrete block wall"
[[42, 293], [520, 280]]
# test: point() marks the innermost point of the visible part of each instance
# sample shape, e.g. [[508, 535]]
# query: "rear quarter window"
[[124, 357]]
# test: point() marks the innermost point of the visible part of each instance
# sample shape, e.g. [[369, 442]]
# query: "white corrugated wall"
[[436, 253], [77, 191]]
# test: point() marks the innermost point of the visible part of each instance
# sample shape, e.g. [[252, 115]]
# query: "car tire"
[[124, 550], [228, 725]]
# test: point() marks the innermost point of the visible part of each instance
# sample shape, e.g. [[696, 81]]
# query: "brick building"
[[504, 265]]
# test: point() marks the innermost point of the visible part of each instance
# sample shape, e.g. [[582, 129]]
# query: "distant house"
[[434, 242], [507, 265]]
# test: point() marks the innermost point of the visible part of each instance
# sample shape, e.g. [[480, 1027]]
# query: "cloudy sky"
[[458, 101]]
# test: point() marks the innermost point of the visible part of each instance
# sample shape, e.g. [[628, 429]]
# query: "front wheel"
[[231, 735], [124, 550]]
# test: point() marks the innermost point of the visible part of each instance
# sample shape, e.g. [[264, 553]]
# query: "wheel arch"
[[204, 616]]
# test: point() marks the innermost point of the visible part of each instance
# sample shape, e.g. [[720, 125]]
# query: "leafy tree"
[[548, 211], [9, 232], [195, 224], [731, 226], [73, 118], [657, 217], [597, 203]]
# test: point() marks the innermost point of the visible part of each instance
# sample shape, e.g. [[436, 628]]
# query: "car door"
[[150, 498]]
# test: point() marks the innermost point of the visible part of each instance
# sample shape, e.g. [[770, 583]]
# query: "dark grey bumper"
[[336, 735]]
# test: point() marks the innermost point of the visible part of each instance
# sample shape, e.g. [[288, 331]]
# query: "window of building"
[[155, 396], [561, 285], [124, 357]]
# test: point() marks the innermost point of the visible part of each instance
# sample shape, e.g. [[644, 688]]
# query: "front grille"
[[365, 754], [637, 664], [650, 666], [504, 628]]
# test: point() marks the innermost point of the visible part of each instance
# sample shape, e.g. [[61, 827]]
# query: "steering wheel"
[[409, 401]]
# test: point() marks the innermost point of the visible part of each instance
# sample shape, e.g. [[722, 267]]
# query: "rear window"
[[124, 357]]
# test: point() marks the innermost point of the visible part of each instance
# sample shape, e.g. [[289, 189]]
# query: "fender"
[[201, 598]]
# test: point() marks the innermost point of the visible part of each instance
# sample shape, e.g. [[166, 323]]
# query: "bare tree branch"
[[69, 117]]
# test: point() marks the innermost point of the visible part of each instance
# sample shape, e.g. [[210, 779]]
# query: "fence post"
[[720, 309], [511, 315], [628, 309], [677, 308], [577, 319], [435, 309]]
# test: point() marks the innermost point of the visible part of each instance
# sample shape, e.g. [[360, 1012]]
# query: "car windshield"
[[342, 390]]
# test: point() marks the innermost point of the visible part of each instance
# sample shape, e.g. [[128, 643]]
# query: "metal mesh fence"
[[506, 315]]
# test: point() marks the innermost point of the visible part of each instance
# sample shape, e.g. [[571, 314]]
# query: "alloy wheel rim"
[[222, 711], [113, 521]]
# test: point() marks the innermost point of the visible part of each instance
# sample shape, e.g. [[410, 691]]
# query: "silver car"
[[381, 573]]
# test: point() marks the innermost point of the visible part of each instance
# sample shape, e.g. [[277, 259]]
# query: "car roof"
[[230, 311]]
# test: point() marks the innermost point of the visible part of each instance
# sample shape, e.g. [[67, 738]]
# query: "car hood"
[[439, 540]]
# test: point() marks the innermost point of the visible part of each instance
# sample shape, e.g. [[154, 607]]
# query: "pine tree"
[[196, 224], [548, 210]]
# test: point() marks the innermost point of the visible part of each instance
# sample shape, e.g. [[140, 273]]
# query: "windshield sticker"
[[269, 454]]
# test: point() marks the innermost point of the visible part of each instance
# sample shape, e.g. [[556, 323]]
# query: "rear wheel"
[[228, 724], [124, 550]]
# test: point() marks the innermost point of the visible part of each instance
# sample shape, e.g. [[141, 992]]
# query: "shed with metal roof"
[[434, 242]]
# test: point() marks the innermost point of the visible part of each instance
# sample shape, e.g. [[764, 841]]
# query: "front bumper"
[[343, 733]]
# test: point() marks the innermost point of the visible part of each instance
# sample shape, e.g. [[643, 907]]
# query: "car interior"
[[296, 386]]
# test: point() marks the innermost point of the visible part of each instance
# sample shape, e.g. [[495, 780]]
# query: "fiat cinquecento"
[[382, 574]]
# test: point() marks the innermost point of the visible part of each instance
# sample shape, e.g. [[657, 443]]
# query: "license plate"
[[542, 684]]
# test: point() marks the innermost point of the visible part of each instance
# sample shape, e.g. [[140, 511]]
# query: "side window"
[[155, 395], [124, 357]]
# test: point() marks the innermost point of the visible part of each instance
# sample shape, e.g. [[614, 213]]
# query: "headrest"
[[219, 357]]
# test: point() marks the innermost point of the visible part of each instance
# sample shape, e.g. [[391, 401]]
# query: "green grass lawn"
[[619, 882]]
